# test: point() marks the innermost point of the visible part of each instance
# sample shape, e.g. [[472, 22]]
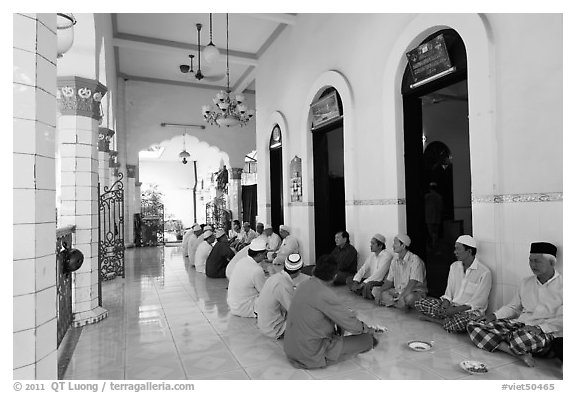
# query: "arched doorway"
[[276, 190], [328, 149], [437, 161]]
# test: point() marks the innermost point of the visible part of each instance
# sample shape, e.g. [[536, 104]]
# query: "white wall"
[[515, 112]]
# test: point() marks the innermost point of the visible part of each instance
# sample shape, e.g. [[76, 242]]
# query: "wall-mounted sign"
[[324, 110], [296, 179], [429, 61]]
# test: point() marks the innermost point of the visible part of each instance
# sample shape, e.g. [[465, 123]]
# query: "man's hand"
[[445, 303], [535, 330], [485, 318]]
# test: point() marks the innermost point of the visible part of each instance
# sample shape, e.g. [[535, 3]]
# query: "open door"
[[276, 180]]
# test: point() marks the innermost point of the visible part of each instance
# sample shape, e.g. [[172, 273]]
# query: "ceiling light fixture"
[[229, 111], [65, 28], [199, 75], [184, 154], [210, 52]]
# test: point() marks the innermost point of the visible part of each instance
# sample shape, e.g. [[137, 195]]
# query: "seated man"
[[289, 246], [406, 280], [346, 256], [246, 236], [219, 257], [274, 241], [234, 261], [203, 251], [467, 290], [193, 244], [274, 300], [247, 281], [374, 269], [234, 232], [530, 322], [317, 320]]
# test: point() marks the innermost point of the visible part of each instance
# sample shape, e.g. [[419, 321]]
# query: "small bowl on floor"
[[474, 367], [420, 346]]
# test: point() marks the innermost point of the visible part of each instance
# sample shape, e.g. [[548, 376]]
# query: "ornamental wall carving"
[[79, 96], [104, 137]]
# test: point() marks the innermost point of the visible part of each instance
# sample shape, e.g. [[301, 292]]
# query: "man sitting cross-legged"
[[530, 322], [374, 269], [466, 296]]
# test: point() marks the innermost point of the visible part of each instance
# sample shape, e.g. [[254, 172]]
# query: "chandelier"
[[228, 110], [184, 155]]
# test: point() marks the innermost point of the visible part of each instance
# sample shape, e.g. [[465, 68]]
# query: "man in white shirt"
[[289, 246], [274, 300], [193, 244], [373, 270], [530, 322], [187, 235], [247, 281], [243, 253], [246, 235], [274, 241], [466, 296], [203, 251], [406, 280]]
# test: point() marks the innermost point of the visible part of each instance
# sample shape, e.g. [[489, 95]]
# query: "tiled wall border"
[[518, 198], [376, 202]]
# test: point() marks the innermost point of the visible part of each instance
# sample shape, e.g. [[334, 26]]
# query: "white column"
[[235, 192], [78, 101], [34, 216]]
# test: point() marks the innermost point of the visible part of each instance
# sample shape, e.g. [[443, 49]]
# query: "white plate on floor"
[[474, 367], [420, 346]]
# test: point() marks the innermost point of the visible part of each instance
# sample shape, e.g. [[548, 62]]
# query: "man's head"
[[542, 259], [257, 250], [284, 231], [259, 228], [377, 243], [209, 236], [236, 225], [246, 226], [341, 238], [326, 267], [465, 248], [268, 231], [197, 230], [293, 264], [221, 235], [401, 243]]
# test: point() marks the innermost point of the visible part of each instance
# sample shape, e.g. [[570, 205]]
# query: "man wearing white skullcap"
[[203, 251], [193, 244], [374, 269], [466, 296], [247, 280], [186, 238], [274, 300], [406, 279], [289, 246]]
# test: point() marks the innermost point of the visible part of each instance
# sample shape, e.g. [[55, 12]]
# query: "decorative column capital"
[[236, 173], [79, 96], [104, 137], [138, 183], [131, 171], [114, 159]]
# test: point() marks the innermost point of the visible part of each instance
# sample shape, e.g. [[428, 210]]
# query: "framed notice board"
[[429, 61]]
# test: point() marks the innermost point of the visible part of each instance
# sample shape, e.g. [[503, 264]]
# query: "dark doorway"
[[437, 164], [276, 190], [249, 204], [329, 199]]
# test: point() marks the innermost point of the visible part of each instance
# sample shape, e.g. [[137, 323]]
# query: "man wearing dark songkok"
[[530, 322]]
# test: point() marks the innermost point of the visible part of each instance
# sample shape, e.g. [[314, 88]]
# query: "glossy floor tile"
[[168, 322]]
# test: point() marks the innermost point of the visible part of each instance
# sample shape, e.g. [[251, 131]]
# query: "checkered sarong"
[[453, 324], [488, 335]]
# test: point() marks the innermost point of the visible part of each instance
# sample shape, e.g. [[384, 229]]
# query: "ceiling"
[[151, 47]]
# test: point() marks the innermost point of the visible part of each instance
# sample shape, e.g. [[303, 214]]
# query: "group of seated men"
[[311, 319]]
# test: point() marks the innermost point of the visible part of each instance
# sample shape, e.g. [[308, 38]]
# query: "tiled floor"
[[168, 322]]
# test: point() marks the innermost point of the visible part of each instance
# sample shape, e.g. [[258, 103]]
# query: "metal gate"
[[111, 232]]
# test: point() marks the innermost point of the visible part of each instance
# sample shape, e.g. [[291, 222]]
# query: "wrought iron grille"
[[63, 288], [111, 232], [217, 214]]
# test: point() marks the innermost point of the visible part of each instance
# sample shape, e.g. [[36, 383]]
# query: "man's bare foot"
[[527, 359]]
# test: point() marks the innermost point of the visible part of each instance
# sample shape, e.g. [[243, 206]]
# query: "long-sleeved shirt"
[[310, 337], [189, 235], [537, 304], [273, 243], [247, 237], [202, 253], [375, 267], [245, 284], [289, 246], [273, 303], [471, 288], [347, 258], [232, 264], [192, 247], [405, 269], [218, 259]]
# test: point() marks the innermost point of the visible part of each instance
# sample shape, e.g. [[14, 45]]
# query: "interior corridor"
[[167, 322]]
